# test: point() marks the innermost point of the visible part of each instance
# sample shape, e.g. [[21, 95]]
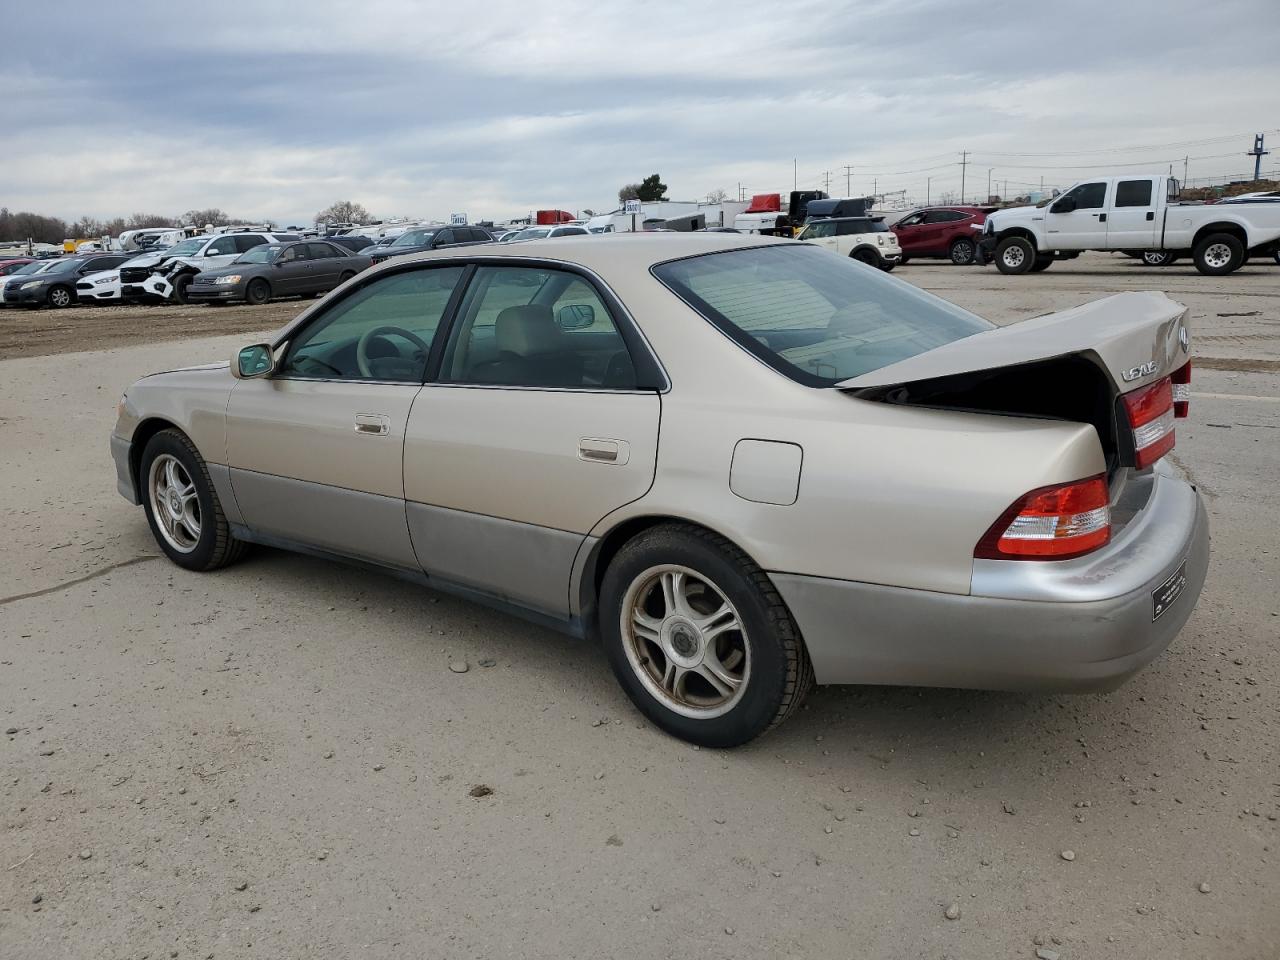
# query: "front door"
[[1077, 220], [291, 271], [316, 450], [1131, 224], [543, 420]]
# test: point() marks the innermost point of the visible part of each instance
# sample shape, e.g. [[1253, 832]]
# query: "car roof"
[[607, 253]]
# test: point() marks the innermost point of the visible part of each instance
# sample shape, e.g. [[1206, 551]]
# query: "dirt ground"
[[277, 761]]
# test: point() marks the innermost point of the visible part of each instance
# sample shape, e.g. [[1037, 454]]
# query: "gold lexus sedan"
[[744, 465]]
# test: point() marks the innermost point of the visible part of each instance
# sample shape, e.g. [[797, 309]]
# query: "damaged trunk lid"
[[1073, 365]]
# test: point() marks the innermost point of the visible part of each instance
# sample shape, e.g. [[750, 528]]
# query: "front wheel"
[[180, 285], [1158, 258], [699, 638], [60, 297], [1218, 254], [258, 292], [962, 251], [182, 507], [1041, 264], [1015, 255]]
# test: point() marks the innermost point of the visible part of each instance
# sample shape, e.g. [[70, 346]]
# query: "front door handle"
[[1151, 214], [602, 450], [374, 424], [1102, 218]]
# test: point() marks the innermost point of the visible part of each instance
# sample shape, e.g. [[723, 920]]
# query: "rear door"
[[536, 428], [1077, 220], [326, 263], [1131, 222]]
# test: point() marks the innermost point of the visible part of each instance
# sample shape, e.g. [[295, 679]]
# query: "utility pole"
[[1185, 160], [875, 186], [795, 173], [928, 189], [989, 169], [1257, 153], [964, 164], [848, 180], [826, 176]]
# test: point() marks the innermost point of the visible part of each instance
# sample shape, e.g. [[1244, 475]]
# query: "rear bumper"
[[1075, 626]]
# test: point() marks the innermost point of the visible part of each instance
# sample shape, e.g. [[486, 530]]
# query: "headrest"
[[526, 330]]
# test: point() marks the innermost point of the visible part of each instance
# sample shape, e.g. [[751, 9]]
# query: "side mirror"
[[253, 362], [576, 316], [1065, 205]]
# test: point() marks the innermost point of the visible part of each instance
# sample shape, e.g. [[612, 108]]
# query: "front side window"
[[413, 238], [381, 331], [533, 327], [222, 247], [817, 318], [1088, 196], [1133, 193]]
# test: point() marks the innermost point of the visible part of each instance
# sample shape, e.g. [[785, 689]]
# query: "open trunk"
[[1072, 365]]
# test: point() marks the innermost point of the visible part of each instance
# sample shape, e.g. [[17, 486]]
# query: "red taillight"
[[1051, 523], [1181, 380], [1151, 417]]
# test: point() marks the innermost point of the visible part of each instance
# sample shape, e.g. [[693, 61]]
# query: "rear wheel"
[[866, 255], [345, 277], [1158, 258], [962, 251], [182, 507], [258, 292], [699, 638], [60, 297], [1218, 254]]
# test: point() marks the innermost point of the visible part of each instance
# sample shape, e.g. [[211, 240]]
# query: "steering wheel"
[[362, 347]]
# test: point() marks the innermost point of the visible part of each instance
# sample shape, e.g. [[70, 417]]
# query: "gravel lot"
[[276, 760]]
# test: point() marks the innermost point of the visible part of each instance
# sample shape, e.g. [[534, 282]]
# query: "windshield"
[[532, 233], [815, 316], [413, 238], [35, 266], [262, 253], [188, 247]]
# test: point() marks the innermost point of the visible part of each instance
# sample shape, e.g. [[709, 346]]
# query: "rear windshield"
[[815, 316]]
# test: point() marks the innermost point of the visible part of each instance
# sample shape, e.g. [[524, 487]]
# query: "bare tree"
[[344, 211], [213, 215], [717, 195], [630, 191]]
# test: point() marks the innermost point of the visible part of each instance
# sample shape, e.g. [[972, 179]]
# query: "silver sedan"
[[743, 465]]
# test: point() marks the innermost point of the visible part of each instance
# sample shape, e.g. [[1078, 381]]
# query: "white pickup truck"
[[1138, 213]]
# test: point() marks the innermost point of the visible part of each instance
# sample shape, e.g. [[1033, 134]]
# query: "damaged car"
[[741, 465], [167, 275]]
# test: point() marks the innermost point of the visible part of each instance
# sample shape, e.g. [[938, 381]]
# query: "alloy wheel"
[[685, 641], [174, 502]]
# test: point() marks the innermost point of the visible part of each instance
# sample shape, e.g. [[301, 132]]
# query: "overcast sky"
[[494, 108]]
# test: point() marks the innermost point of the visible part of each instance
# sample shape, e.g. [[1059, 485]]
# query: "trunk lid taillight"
[[1051, 523], [1152, 410]]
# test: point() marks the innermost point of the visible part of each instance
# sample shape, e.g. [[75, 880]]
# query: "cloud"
[[496, 108]]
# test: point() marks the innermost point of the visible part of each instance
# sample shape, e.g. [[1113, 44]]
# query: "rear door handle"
[[602, 450], [374, 424]]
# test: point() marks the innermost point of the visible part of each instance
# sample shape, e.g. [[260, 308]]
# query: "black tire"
[[779, 673], [902, 261], [60, 297], [1276, 256], [1158, 258], [258, 292], [962, 251], [215, 546], [1218, 254], [866, 255], [180, 284], [1015, 255], [1041, 264], [886, 266], [347, 275]]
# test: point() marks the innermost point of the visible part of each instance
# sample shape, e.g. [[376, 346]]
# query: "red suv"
[[951, 232]]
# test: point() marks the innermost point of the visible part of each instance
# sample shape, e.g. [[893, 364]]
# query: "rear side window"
[[247, 241], [1133, 193], [813, 316]]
